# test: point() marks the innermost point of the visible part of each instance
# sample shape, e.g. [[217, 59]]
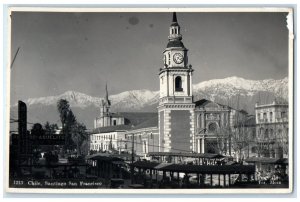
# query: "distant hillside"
[[233, 91]]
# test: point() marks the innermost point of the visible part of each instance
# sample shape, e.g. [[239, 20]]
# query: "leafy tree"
[[67, 119], [223, 140], [37, 129], [84, 147], [63, 108], [50, 128], [79, 134], [241, 137], [75, 133]]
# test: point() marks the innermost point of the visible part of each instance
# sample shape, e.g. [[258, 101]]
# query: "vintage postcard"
[[164, 100]]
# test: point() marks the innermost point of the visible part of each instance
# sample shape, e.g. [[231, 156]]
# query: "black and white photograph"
[[156, 100]]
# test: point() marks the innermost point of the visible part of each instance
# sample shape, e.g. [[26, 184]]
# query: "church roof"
[[153, 122], [108, 129], [136, 118], [132, 121], [175, 43], [174, 24], [201, 102], [116, 115], [250, 121], [174, 19]]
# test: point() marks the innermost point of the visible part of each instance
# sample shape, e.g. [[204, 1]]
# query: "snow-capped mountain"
[[233, 91], [233, 86], [135, 99], [76, 99]]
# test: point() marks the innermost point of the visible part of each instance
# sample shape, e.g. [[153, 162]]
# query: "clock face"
[[178, 58]]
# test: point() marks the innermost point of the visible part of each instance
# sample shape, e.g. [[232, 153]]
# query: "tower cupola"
[[174, 34]]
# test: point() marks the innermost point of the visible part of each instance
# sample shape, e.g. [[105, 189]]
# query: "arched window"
[[261, 132], [271, 116], [266, 134], [212, 127], [178, 84]]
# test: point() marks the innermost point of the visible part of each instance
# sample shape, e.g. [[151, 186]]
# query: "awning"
[[118, 162], [211, 169], [186, 154], [265, 160], [145, 164]]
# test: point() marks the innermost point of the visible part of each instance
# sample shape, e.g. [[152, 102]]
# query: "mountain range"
[[233, 91]]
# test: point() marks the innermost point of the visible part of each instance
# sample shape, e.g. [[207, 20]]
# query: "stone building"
[[176, 108], [214, 123], [183, 124], [144, 138], [272, 129]]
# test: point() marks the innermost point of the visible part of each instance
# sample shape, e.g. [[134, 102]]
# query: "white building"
[[272, 129], [112, 138]]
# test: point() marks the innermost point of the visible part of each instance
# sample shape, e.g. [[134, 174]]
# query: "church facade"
[[185, 125], [181, 125], [106, 118]]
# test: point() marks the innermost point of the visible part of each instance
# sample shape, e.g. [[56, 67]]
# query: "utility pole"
[[132, 159]]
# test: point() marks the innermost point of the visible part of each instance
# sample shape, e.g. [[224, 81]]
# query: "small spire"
[[174, 17], [107, 101], [106, 93]]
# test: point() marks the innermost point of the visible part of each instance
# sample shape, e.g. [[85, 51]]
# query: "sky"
[[83, 51]]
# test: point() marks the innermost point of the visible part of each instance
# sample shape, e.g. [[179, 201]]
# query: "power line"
[[17, 120], [157, 146]]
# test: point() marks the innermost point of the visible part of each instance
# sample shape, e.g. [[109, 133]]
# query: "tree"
[[50, 128], [37, 129], [79, 135], [223, 139], [241, 137], [84, 147], [75, 133], [63, 108], [67, 120]]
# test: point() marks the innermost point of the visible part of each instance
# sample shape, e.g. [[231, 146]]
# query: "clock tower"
[[176, 109]]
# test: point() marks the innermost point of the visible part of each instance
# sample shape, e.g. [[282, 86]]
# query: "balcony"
[[263, 120]]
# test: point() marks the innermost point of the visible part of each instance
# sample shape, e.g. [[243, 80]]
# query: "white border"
[[160, 191]]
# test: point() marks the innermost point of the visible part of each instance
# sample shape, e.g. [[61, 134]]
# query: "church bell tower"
[[176, 107]]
